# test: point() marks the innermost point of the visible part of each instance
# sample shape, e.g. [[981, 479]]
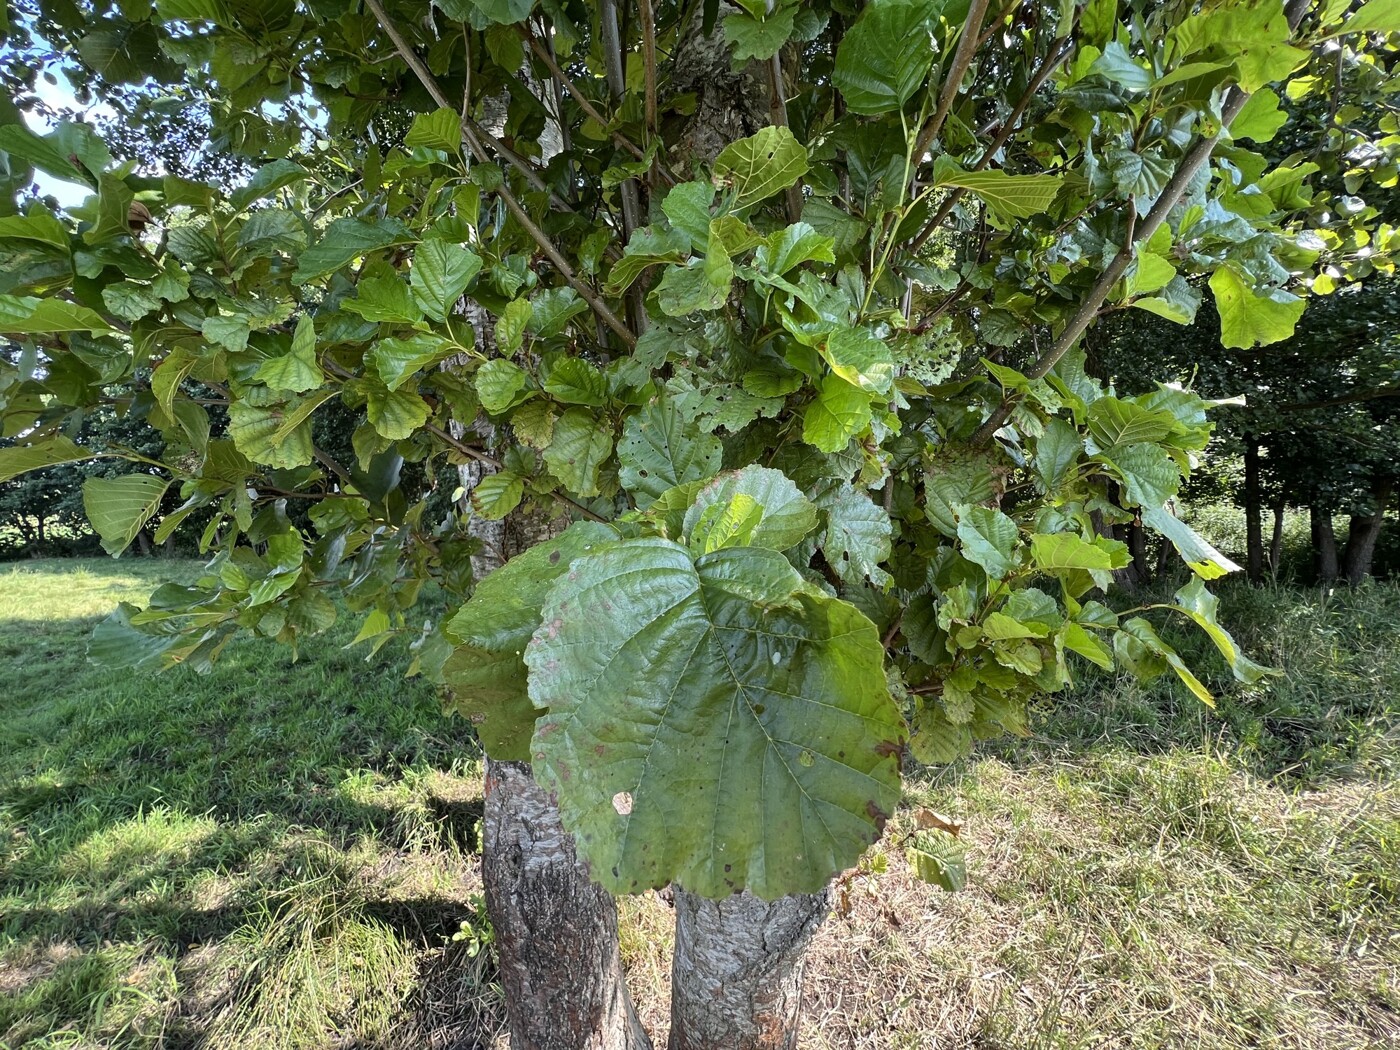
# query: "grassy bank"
[[278, 855]]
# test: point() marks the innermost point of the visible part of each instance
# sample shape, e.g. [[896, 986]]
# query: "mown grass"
[[277, 855]]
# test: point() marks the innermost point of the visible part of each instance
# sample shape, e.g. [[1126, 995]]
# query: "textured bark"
[[556, 931], [1361, 538], [730, 103], [1253, 522], [1324, 540], [736, 981], [1276, 542]]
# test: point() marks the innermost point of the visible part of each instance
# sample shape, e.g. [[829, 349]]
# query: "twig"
[[649, 63], [425, 75], [962, 58]]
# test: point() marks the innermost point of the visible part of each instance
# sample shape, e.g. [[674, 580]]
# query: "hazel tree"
[[753, 331]]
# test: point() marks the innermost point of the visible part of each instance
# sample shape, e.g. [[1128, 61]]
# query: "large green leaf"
[[761, 165], [441, 273], [886, 55], [118, 507], [487, 669], [861, 359], [785, 515], [49, 452], [718, 723], [440, 129], [398, 360], [26, 315], [661, 448], [581, 443], [1010, 196], [856, 540], [344, 241], [1200, 605], [295, 371], [1246, 318], [279, 436], [840, 412], [988, 538], [1205, 561]]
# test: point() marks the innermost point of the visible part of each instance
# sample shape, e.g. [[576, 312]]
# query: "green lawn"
[[278, 855]]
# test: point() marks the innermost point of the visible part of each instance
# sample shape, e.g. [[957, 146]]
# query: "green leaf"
[[297, 370], [581, 445], [1010, 196], [499, 384], [440, 129], [786, 515], [38, 225], [1138, 174], [395, 414], [860, 359], [1205, 561], [1117, 65], [129, 300], [118, 644], [753, 38], [1375, 16], [761, 165], [552, 310], [762, 753], [1149, 474], [510, 325], [1077, 640], [1063, 552], [1056, 451], [838, 414], [661, 448], [1247, 319], [49, 452], [574, 381], [1178, 302], [496, 495], [344, 241], [789, 248], [487, 669], [936, 857], [1200, 605], [398, 360], [279, 436], [269, 232], [988, 538], [118, 507], [441, 274], [1116, 422], [384, 299], [26, 315], [1261, 117], [266, 181], [856, 540], [885, 57], [694, 286], [648, 247], [229, 331], [1146, 635]]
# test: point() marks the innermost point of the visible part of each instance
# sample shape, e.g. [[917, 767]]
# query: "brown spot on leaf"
[[878, 815], [888, 748]]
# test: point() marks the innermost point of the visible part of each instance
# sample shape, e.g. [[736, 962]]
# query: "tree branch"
[[962, 58], [586, 293]]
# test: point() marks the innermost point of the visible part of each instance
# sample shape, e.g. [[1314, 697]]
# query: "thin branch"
[[474, 144], [777, 110], [649, 63], [578, 96], [1172, 193], [491, 461], [962, 58], [1059, 51], [629, 190]]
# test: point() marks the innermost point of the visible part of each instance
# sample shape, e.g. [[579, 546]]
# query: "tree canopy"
[[771, 313]]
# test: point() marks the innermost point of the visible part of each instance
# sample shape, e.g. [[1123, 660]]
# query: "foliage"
[[187, 856], [764, 391]]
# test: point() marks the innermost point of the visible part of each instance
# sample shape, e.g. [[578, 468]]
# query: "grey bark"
[[1253, 522], [1361, 538], [730, 103], [1324, 540], [556, 931], [736, 980]]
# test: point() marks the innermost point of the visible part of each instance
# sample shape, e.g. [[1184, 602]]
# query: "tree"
[[756, 327]]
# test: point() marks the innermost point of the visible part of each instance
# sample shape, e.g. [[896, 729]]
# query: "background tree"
[[769, 316]]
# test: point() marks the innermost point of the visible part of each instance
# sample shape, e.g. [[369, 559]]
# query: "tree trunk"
[[736, 982], [1324, 541], [1276, 543], [1137, 547], [1253, 524], [556, 931], [1361, 538]]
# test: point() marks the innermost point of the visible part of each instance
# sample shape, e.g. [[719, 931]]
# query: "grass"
[[277, 855]]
